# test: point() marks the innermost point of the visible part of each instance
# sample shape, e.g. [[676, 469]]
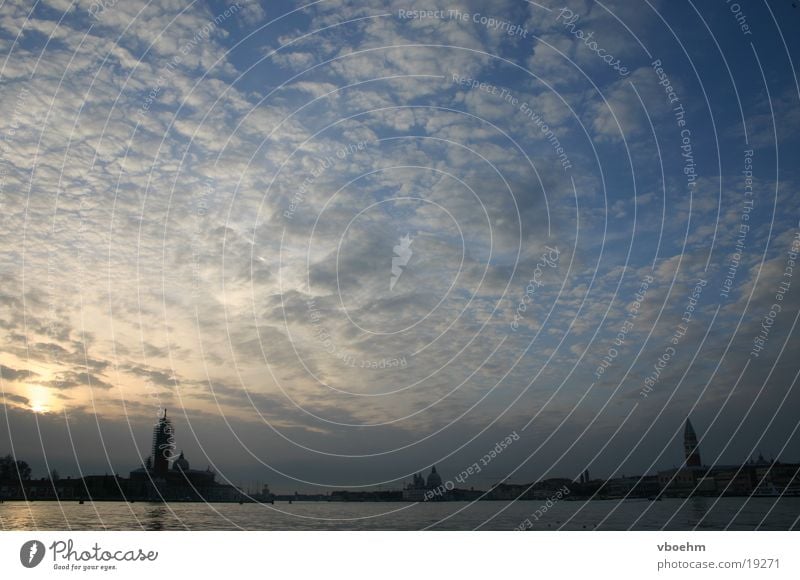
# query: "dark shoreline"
[[314, 501]]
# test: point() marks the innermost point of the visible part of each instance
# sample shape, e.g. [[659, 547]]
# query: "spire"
[[690, 448]]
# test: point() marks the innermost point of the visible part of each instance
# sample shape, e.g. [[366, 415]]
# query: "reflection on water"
[[671, 514], [156, 517], [698, 508]]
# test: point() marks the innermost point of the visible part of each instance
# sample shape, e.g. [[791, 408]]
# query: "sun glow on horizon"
[[40, 399]]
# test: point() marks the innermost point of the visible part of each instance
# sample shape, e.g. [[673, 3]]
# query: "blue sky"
[[201, 205]]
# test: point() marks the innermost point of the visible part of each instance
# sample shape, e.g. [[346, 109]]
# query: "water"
[[671, 514]]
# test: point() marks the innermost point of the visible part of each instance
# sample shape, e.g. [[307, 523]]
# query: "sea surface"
[[670, 514]]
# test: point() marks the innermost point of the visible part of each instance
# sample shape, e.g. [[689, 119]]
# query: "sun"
[[40, 399]]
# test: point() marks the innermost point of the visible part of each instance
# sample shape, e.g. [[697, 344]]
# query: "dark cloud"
[[16, 399], [73, 379], [9, 374], [158, 377]]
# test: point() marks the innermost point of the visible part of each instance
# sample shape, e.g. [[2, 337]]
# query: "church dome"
[[434, 479], [181, 463]]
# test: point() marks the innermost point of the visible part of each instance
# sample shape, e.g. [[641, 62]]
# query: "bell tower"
[[163, 443], [690, 448]]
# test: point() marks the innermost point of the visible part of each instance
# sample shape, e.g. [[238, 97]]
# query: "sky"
[[341, 242]]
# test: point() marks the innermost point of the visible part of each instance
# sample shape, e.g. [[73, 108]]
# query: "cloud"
[[9, 374], [197, 218]]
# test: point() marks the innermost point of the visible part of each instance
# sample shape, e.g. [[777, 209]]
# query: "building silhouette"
[[434, 479], [156, 481], [163, 477], [163, 445], [756, 477], [416, 490]]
